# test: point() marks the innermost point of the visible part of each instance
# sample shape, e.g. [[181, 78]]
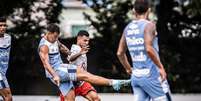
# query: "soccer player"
[[5, 44], [78, 57], [63, 74], [148, 78]]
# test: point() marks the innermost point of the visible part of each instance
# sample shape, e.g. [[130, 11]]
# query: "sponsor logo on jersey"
[[134, 41], [139, 57]]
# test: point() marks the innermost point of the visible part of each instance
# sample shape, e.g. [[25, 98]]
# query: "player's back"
[[5, 45], [134, 35]]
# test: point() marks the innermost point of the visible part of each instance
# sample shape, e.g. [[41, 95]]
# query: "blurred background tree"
[[111, 18], [180, 39], [27, 20]]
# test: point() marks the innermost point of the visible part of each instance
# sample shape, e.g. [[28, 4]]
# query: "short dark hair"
[[141, 6], [83, 33], [53, 28], [2, 19]]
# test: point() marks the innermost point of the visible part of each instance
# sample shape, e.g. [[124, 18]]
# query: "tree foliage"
[[179, 32], [27, 20], [110, 20]]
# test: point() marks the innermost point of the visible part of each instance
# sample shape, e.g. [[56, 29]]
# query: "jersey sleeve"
[[74, 50]]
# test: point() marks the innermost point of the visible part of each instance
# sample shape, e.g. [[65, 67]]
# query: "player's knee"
[[8, 98], [69, 99], [96, 98]]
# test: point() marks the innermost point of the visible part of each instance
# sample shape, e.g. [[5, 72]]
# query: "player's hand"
[[129, 71], [56, 79], [84, 50], [68, 52], [163, 74]]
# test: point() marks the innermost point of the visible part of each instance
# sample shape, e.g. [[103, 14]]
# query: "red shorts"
[[84, 89]]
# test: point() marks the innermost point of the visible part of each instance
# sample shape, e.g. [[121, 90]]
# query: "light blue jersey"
[[134, 34], [54, 54], [66, 72], [5, 45], [146, 81]]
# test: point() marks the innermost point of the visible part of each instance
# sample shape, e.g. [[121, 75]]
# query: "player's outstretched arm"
[[63, 48]]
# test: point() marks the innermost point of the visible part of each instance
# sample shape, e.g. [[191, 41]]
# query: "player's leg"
[[153, 87], [83, 75], [140, 94], [166, 89], [66, 86], [5, 91], [66, 92], [87, 90], [92, 96], [76, 73], [70, 96], [6, 94], [98, 80], [168, 95]]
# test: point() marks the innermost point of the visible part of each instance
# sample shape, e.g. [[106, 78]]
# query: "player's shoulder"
[[150, 24], [7, 36], [43, 42], [130, 25], [75, 47]]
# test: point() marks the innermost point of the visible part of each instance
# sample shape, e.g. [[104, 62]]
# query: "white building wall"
[[72, 15]]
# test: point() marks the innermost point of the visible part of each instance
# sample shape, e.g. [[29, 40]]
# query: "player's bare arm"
[[149, 34], [45, 60], [121, 53], [63, 48]]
